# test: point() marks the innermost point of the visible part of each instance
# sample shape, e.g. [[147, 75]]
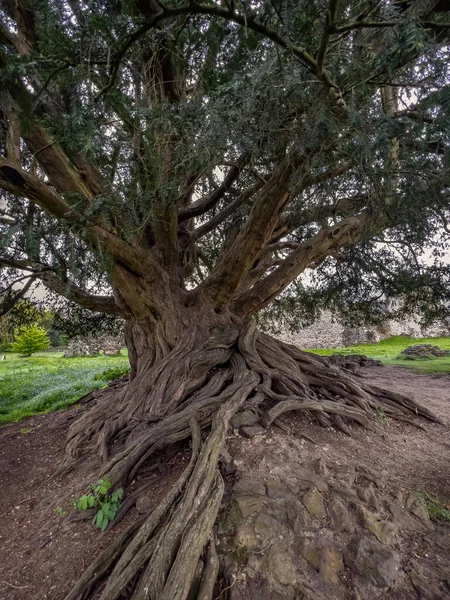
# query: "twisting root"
[[200, 386], [170, 541]]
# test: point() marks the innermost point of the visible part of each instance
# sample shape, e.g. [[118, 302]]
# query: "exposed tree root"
[[202, 386]]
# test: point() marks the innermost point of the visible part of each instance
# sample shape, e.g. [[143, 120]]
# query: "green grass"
[[438, 508], [46, 382], [388, 351]]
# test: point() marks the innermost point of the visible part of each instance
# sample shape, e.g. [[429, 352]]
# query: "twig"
[[227, 588], [16, 587]]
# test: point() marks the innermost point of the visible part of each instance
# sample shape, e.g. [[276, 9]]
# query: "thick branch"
[[24, 184], [310, 252], [231, 270], [204, 204], [329, 26], [225, 213], [229, 15], [10, 299], [69, 290]]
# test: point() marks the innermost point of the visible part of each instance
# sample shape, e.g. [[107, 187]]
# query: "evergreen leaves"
[[114, 108]]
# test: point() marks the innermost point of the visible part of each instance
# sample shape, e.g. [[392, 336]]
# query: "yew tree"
[[181, 165]]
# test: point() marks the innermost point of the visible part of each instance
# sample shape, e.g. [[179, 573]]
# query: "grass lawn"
[[388, 351], [47, 381]]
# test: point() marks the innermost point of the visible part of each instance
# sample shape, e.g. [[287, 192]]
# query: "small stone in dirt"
[[309, 551], [367, 495], [250, 432], [331, 564], [344, 475], [373, 561], [417, 508], [307, 475], [313, 502], [298, 517], [275, 490], [440, 537], [320, 467], [404, 520], [227, 465], [280, 566], [248, 505], [270, 529], [379, 479], [425, 587], [382, 530], [253, 487], [340, 516], [246, 537], [245, 418]]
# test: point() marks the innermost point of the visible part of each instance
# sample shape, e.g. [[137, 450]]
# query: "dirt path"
[[41, 555]]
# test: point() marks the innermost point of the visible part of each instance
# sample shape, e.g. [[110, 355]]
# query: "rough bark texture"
[[218, 367]]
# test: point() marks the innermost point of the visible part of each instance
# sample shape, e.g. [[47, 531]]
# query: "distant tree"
[[12, 317], [182, 164], [30, 340]]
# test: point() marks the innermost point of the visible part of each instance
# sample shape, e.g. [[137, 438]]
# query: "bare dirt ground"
[[42, 554]]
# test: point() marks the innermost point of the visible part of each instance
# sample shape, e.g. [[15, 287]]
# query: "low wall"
[[328, 332]]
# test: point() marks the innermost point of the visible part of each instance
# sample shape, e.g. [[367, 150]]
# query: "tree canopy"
[[222, 149]]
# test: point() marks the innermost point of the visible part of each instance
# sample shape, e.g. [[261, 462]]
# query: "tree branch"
[[314, 250], [214, 10], [328, 30], [10, 299], [225, 213], [69, 290], [24, 184], [206, 203], [231, 270]]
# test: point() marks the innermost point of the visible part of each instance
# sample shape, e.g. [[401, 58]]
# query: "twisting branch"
[[204, 204], [10, 299], [328, 31], [264, 215], [69, 290], [314, 250], [229, 15], [230, 209]]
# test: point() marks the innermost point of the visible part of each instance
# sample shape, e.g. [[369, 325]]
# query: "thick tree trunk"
[[195, 375]]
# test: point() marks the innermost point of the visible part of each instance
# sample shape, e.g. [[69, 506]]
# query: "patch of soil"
[[42, 554]]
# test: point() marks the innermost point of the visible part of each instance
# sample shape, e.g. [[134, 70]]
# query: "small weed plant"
[[106, 503], [383, 419], [59, 510], [438, 508]]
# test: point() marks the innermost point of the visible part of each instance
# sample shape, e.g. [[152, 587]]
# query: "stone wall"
[[329, 332], [92, 345]]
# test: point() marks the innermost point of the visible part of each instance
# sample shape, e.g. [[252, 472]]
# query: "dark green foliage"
[[95, 90]]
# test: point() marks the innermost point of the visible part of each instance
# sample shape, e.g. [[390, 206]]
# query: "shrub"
[[113, 373], [30, 339]]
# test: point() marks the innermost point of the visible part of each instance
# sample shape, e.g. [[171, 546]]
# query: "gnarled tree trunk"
[[192, 370]]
